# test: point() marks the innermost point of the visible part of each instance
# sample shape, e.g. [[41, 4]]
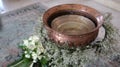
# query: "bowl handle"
[[103, 18]]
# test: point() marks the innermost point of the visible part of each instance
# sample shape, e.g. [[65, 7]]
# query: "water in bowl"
[[72, 24]]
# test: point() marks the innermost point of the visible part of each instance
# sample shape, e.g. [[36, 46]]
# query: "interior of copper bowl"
[[72, 24]]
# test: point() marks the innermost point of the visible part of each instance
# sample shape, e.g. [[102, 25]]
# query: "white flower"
[[25, 42], [31, 45], [39, 57], [34, 56], [40, 49], [34, 61], [34, 38], [30, 51], [27, 56], [25, 52], [34, 48]]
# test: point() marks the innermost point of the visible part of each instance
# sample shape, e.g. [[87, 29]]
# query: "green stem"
[[22, 63], [18, 63]]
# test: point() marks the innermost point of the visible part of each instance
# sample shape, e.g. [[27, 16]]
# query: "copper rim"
[[91, 11]]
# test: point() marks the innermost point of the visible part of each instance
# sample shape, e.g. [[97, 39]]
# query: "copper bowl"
[[82, 34]]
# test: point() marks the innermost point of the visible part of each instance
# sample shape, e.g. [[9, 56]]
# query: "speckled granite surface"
[[15, 27], [20, 24]]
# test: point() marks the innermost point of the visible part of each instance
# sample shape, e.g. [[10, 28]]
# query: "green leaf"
[[44, 65], [43, 61], [22, 63]]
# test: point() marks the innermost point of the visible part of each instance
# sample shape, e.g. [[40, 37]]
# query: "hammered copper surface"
[[72, 9]]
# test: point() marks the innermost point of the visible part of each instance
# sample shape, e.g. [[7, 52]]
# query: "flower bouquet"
[[33, 53]]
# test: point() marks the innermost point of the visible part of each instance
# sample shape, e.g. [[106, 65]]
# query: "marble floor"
[[10, 5], [21, 26]]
